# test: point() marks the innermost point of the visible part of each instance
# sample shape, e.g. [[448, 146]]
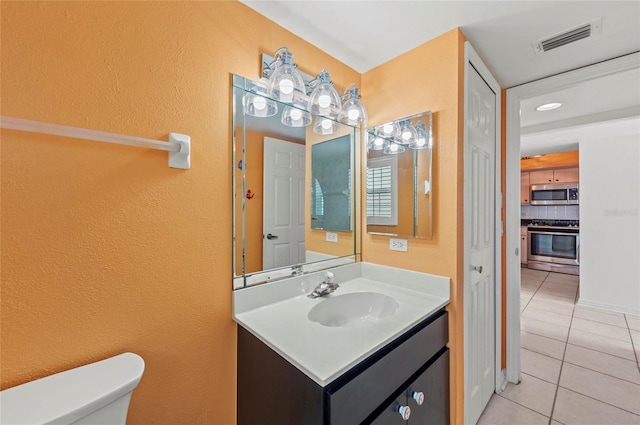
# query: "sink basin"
[[353, 309]]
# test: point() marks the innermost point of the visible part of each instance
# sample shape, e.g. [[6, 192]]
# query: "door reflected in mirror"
[[399, 178], [293, 191]]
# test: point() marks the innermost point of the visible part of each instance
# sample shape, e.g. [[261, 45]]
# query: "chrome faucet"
[[326, 287]]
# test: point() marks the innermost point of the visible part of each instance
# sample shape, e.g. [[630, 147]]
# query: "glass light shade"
[[377, 143], [423, 140], [259, 106], [324, 125], [285, 84], [294, 117], [353, 112], [390, 130], [394, 149], [324, 100], [408, 133]]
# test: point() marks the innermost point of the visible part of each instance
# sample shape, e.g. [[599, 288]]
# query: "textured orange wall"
[[430, 77], [104, 248]]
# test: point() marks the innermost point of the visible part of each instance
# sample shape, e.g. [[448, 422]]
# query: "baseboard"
[[611, 307]]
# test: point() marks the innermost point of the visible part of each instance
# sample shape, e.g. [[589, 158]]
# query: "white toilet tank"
[[97, 393]]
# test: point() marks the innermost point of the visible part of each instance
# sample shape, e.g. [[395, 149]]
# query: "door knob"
[[477, 269], [270, 236]]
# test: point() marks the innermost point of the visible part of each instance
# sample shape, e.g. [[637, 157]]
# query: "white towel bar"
[[179, 145]]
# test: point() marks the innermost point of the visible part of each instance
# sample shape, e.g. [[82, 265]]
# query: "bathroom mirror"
[[293, 190], [399, 178]]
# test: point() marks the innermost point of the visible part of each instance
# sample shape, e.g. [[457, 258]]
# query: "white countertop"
[[276, 313]]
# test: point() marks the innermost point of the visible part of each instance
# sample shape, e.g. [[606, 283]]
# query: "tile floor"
[[579, 365]]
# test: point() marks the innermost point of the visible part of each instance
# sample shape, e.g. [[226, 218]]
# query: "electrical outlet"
[[332, 237], [398, 245]]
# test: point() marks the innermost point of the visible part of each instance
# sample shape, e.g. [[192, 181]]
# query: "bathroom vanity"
[[371, 359]]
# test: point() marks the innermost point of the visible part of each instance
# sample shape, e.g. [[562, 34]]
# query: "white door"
[[480, 244], [283, 210]]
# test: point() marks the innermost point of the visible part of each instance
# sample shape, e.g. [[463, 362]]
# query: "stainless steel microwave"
[[554, 194]]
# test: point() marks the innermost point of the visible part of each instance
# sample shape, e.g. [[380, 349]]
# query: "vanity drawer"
[[354, 401]]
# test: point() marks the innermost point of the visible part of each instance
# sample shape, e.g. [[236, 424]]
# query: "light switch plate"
[[332, 237], [398, 245]]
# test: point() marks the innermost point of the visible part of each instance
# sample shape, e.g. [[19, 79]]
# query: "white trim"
[[471, 57], [514, 96]]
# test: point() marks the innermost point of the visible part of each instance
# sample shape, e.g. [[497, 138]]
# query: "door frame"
[[514, 96], [472, 59]]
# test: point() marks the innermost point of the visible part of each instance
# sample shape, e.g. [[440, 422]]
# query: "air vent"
[[574, 34]]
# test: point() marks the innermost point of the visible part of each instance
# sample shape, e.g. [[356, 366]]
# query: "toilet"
[[97, 393]]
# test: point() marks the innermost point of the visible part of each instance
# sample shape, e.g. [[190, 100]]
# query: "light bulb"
[[387, 128], [421, 141], [406, 135], [393, 147], [378, 141], [326, 124], [259, 103], [296, 114], [286, 86], [324, 101], [353, 114]]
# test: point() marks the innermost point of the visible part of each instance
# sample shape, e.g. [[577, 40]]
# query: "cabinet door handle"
[[405, 412]]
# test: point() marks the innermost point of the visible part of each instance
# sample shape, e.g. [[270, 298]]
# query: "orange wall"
[[104, 248], [430, 77]]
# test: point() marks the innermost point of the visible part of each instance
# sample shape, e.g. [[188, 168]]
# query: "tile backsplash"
[[550, 212]]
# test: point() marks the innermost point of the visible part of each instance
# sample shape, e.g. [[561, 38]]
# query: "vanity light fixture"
[[324, 99], [353, 111], [424, 139], [377, 143], [324, 125], [285, 82], [408, 134], [259, 106], [394, 149], [294, 117], [549, 106]]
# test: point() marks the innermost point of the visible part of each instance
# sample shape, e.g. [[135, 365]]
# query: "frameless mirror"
[[293, 189], [399, 178]]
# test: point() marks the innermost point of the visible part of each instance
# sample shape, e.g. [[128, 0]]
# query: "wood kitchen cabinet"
[[524, 248], [558, 175], [524, 188]]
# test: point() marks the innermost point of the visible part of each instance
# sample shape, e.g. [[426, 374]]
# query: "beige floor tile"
[[612, 346], [601, 316], [560, 286], [533, 393], [552, 298], [614, 391], [542, 345], [501, 411], [529, 284], [633, 322], [575, 409], [556, 423], [540, 366], [547, 316], [544, 329], [559, 290], [602, 329], [635, 336], [560, 277], [566, 309], [604, 363]]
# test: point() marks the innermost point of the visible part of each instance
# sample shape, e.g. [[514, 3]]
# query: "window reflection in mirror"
[[399, 178], [280, 185]]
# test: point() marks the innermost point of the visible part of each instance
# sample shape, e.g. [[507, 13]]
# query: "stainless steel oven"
[[555, 249]]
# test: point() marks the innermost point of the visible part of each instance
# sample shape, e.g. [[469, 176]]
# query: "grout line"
[[598, 351], [601, 372], [601, 401], [633, 347], [564, 354], [602, 323], [522, 405]]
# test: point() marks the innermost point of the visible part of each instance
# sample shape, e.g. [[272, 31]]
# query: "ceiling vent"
[[566, 37]]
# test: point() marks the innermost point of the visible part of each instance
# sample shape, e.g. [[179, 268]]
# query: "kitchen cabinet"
[[524, 188], [558, 175], [524, 248], [271, 390]]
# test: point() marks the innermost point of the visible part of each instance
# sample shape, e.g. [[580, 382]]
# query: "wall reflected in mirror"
[[399, 177], [292, 186]]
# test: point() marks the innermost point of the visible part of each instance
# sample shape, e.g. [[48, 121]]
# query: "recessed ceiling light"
[[549, 106]]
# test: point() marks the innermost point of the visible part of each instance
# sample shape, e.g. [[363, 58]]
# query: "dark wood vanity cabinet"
[[273, 391]]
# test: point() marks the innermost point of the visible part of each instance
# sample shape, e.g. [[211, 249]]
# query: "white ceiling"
[[365, 34]]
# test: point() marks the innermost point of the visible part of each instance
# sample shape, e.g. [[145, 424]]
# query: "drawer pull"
[[418, 397]]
